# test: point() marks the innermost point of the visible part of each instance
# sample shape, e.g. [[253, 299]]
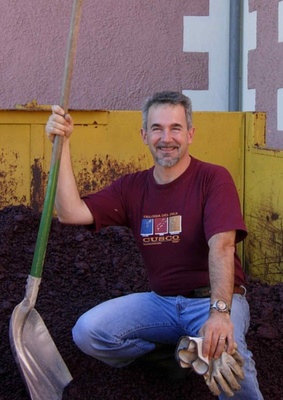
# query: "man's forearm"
[[218, 330], [221, 266], [67, 198]]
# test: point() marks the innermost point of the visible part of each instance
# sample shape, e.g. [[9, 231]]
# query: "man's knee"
[[81, 333], [85, 335]]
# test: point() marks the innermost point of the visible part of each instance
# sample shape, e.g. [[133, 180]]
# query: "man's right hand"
[[59, 123]]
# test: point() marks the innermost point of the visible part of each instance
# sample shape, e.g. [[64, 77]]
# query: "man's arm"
[[71, 209], [221, 274]]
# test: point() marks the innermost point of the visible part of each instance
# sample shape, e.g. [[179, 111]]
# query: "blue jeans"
[[119, 331]]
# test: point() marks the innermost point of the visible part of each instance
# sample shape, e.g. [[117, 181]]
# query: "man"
[[185, 216]]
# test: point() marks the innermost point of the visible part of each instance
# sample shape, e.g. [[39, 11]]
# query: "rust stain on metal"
[[33, 106], [9, 181], [104, 170], [264, 244], [274, 216], [37, 185], [90, 176]]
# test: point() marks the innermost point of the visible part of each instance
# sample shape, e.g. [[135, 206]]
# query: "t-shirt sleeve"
[[222, 209], [107, 206]]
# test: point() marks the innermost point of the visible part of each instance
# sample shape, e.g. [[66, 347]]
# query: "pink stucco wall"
[[265, 69], [126, 50]]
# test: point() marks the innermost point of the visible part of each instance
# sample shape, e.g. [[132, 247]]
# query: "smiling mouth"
[[167, 149]]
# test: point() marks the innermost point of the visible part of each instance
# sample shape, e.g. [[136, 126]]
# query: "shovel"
[[40, 363]]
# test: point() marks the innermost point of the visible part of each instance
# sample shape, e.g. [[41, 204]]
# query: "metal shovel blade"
[[43, 369]]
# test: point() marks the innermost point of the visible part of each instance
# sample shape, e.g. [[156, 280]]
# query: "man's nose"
[[166, 135]]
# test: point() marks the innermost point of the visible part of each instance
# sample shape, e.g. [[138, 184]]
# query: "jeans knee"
[[90, 337], [97, 343], [77, 333], [82, 335]]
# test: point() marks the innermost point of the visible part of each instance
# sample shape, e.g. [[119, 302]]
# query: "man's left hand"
[[218, 334]]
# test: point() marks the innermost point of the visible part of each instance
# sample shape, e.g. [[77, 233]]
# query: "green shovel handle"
[[48, 207]]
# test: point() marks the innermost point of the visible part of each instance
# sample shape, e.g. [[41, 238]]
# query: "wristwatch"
[[221, 306]]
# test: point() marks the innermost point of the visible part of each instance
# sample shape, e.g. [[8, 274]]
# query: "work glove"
[[220, 374], [189, 354]]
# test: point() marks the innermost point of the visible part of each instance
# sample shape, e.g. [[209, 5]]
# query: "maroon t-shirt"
[[172, 223]]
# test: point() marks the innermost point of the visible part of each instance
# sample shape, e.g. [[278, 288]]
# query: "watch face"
[[221, 305]]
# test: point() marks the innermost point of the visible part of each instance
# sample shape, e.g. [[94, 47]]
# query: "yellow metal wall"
[[263, 204], [107, 144]]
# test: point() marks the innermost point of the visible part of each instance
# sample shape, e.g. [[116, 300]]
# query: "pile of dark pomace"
[[82, 269]]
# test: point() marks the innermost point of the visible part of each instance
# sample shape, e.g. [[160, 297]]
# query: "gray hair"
[[171, 98]]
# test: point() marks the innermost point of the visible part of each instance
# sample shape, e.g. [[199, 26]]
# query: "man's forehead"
[[155, 106], [157, 111]]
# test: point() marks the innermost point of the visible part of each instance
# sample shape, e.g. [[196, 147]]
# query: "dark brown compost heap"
[[82, 269]]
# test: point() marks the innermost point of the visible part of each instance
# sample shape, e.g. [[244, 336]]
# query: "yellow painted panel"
[[263, 206], [14, 164], [40, 117], [14, 117]]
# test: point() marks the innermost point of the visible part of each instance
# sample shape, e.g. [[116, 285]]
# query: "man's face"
[[167, 134]]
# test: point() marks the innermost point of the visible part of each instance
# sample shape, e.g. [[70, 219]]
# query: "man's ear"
[[191, 134], [144, 136]]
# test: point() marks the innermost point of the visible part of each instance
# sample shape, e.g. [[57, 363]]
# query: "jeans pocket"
[[242, 309]]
